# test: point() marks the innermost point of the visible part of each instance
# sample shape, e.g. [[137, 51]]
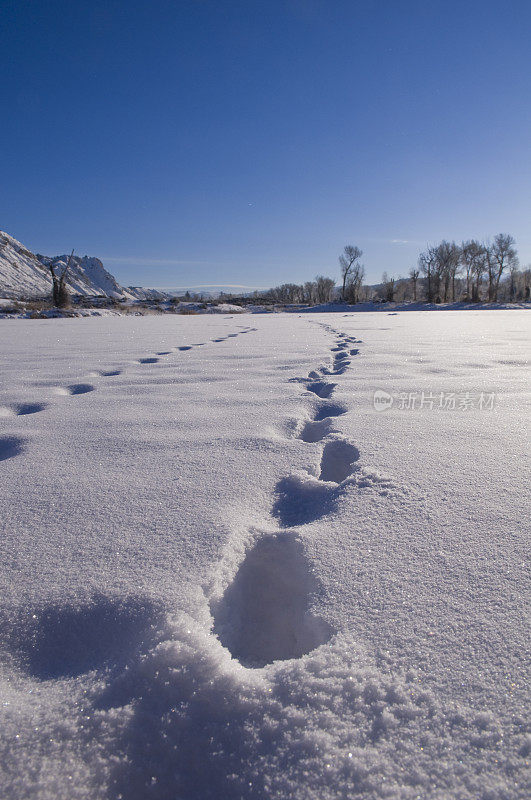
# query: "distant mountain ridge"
[[26, 275]]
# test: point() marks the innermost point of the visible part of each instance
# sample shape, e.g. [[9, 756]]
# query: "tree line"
[[478, 264], [472, 271]]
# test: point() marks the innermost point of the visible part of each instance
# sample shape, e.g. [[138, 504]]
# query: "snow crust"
[[226, 574]]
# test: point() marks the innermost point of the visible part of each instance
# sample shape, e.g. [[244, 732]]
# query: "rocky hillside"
[[26, 275]]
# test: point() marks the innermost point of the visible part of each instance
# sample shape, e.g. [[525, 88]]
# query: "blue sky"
[[200, 142]]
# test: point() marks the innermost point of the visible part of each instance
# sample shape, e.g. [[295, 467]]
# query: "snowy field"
[[228, 572]]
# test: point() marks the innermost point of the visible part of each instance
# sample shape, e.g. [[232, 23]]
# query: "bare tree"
[[478, 269], [324, 288], [347, 261], [427, 265], [501, 254], [472, 252], [61, 298], [527, 284], [454, 265], [513, 281], [440, 264], [309, 292], [414, 275], [388, 288], [351, 293], [447, 262]]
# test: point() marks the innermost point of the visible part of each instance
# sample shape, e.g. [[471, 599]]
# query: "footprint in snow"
[[76, 388], [185, 347], [337, 461], [21, 409], [264, 615], [340, 368], [63, 641], [148, 360], [321, 388], [315, 431], [300, 499], [329, 410], [10, 446]]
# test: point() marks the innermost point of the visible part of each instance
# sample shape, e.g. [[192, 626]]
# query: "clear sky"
[[190, 142]]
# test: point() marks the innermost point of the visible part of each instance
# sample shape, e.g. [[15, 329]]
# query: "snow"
[[21, 273], [227, 574], [26, 275]]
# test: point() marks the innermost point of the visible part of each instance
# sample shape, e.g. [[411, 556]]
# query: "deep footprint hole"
[[22, 409], [79, 388], [63, 641], [337, 461], [314, 431], [329, 410], [10, 446], [321, 388], [264, 615], [300, 500]]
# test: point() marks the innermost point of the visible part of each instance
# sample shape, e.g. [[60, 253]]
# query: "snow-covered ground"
[[229, 570]]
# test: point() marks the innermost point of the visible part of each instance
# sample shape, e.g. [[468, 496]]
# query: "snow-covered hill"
[[21, 273], [86, 275], [24, 274], [141, 293]]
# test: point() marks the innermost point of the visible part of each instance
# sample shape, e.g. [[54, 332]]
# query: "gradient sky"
[[245, 142]]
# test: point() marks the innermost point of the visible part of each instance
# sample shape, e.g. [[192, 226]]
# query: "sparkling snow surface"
[[225, 574]]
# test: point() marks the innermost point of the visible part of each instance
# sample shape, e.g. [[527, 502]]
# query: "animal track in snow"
[[164, 353], [148, 360], [264, 614], [21, 409], [337, 460], [10, 446], [185, 347]]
